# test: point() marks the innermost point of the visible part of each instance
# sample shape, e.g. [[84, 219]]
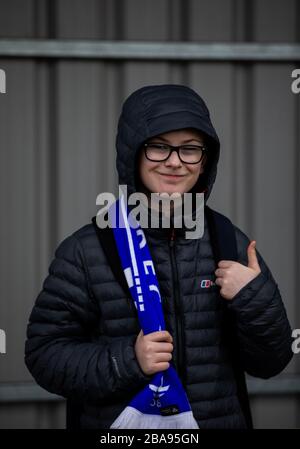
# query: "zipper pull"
[[172, 237]]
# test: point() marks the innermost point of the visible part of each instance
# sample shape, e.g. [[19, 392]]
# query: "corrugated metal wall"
[[57, 132]]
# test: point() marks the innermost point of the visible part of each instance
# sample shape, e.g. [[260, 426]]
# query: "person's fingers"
[[162, 366], [252, 257], [225, 263], [162, 347], [162, 357], [220, 272], [219, 281], [160, 336]]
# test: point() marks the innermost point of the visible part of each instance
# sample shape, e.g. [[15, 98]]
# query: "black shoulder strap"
[[222, 236], [224, 247], [108, 243]]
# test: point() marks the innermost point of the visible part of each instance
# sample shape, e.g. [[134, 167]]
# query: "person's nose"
[[173, 160]]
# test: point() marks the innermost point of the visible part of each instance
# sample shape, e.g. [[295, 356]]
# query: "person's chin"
[[169, 188], [173, 189]]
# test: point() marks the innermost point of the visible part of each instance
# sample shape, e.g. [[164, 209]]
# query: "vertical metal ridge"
[[37, 168], [53, 131], [234, 149], [119, 12], [52, 20], [248, 20], [250, 151], [184, 36], [184, 20], [297, 194], [37, 157], [249, 129]]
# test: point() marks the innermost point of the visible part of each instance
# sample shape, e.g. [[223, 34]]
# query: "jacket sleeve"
[[263, 330], [59, 351]]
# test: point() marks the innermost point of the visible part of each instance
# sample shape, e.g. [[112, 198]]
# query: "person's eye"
[[159, 146], [191, 147]]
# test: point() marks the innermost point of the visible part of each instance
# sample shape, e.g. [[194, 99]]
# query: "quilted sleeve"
[[59, 351], [263, 329]]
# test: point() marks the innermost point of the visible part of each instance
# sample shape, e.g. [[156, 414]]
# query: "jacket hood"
[[152, 110]]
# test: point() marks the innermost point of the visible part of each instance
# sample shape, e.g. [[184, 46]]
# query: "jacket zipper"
[[178, 314]]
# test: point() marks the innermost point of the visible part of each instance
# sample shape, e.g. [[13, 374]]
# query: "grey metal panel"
[[275, 20], [273, 189], [25, 392], [274, 413], [136, 75], [85, 151], [43, 18], [18, 196], [214, 83], [146, 20], [273, 176], [17, 18], [75, 20], [89, 96], [243, 144], [45, 163], [282, 385], [274, 131], [49, 415], [211, 21]]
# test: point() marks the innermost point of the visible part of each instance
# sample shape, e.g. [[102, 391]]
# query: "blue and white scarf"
[[163, 403]]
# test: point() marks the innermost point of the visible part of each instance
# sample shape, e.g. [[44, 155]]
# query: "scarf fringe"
[[131, 418]]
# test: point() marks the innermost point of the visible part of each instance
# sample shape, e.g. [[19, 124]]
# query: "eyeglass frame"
[[176, 149]]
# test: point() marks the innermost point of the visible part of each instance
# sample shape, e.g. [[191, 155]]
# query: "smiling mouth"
[[171, 176]]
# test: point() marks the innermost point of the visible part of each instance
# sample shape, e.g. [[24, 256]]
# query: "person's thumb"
[[252, 258]]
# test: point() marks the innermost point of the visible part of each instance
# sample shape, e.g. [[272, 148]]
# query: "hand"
[[233, 276], [154, 351]]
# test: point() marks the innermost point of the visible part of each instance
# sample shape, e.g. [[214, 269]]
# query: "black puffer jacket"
[[82, 329]]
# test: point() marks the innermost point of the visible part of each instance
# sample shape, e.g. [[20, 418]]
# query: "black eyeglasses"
[[188, 154]]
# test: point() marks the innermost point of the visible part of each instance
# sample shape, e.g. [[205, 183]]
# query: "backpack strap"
[[224, 247], [222, 234], [108, 244]]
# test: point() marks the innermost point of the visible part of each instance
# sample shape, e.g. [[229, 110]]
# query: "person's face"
[[172, 175]]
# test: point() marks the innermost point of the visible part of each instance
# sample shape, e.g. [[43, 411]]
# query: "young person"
[[84, 340]]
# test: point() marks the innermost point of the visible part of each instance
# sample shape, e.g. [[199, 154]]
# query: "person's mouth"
[[171, 176]]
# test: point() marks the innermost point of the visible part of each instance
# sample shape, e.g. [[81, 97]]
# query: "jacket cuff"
[[125, 364]]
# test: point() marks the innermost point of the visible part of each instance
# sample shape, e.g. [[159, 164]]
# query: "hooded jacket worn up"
[[83, 327]]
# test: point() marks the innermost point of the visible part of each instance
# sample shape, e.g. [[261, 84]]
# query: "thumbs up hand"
[[232, 276]]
